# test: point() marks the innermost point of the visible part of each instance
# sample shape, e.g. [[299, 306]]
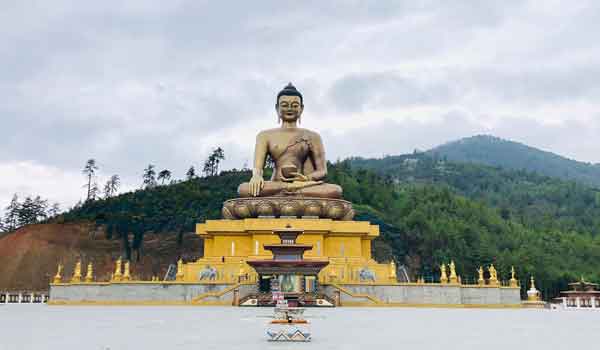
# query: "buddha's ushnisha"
[[298, 156]]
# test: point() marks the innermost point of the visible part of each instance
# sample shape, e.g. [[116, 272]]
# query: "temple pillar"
[[578, 302]]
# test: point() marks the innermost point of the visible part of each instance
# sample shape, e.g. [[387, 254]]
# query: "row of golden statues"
[[121, 273], [456, 279]]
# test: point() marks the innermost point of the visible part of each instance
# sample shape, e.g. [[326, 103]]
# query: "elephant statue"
[[209, 273], [365, 274]]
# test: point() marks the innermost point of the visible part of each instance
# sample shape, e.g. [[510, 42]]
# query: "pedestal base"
[[287, 207]]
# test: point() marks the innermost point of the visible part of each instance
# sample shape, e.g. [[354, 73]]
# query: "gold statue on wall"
[[76, 272], [443, 276], [513, 280], [126, 272], [453, 277], [89, 277], [480, 279], [117, 275], [493, 275], [180, 275], [58, 276]]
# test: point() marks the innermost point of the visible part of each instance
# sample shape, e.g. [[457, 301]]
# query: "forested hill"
[[536, 201], [422, 223], [494, 151]]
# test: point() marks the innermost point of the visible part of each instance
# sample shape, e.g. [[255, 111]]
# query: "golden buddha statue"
[[297, 187], [298, 155]]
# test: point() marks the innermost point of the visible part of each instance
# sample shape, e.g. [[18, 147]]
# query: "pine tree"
[[191, 173], [149, 176], [211, 165], [26, 212], [11, 218], [112, 186], [89, 170], [54, 210], [163, 176]]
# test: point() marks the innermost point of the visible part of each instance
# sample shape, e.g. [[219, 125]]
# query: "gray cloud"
[[163, 82]]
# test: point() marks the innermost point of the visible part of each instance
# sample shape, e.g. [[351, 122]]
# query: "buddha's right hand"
[[256, 185]]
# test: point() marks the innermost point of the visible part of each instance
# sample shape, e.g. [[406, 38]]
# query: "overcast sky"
[[163, 82]]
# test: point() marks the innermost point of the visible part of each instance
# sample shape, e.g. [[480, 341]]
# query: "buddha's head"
[[289, 104]]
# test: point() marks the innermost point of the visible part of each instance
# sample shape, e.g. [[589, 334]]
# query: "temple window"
[[232, 248]]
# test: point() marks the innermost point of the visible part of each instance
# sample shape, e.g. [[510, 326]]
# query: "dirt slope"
[[29, 256]]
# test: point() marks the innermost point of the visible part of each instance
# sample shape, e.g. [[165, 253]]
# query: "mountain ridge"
[[496, 151]]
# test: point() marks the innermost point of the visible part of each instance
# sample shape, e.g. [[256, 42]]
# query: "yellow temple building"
[[346, 245]]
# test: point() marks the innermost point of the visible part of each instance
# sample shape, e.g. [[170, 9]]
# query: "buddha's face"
[[289, 108]]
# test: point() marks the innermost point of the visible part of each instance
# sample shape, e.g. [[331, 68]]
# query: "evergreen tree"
[[191, 173], [149, 177], [211, 165], [89, 170], [54, 210], [11, 218], [112, 186], [26, 212], [163, 176]]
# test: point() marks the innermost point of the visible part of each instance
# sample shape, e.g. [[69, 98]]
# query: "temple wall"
[[138, 293], [425, 294]]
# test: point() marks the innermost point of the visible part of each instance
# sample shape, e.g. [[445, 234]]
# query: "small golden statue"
[[493, 275], [480, 279], [76, 273], [58, 277], [180, 275], [89, 276], [126, 274], [453, 277], [443, 276], [514, 283], [118, 276], [393, 276], [533, 294]]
